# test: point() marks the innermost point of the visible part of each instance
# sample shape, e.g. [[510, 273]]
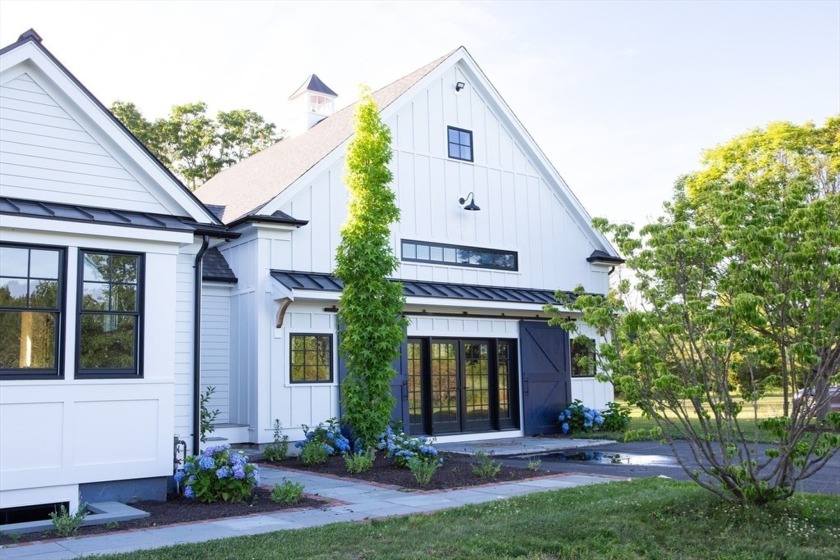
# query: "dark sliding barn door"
[[546, 378]]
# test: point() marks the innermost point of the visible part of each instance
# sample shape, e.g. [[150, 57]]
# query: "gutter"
[[205, 241]]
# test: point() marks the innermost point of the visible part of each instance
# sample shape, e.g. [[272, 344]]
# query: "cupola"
[[315, 101]]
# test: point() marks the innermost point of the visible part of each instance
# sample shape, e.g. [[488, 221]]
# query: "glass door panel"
[[415, 386], [476, 385], [444, 390]]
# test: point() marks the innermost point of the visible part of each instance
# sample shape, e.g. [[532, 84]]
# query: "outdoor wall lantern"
[[459, 86], [471, 206]]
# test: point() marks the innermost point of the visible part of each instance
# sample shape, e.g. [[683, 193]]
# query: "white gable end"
[[526, 208], [58, 144], [45, 154]]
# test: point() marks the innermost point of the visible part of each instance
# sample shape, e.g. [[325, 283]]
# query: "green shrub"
[[314, 453], [616, 418], [279, 448], [423, 469], [580, 418], [534, 464], [486, 466], [218, 474], [359, 462], [287, 493], [65, 524]]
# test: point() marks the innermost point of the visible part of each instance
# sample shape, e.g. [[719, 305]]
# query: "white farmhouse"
[[489, 230], [102, 253]]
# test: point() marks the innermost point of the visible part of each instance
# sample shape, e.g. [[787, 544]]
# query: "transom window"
[[31, 290], [311, 358], [109, 314], [583, 357], [421, 251], [460, 143]]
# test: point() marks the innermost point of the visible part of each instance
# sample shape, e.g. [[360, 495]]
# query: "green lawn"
[[769, 406], [650, 518]]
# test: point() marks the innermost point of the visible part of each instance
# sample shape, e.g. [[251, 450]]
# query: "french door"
[[461, 385]]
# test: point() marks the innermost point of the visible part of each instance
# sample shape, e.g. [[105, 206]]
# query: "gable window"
[[460, 143], [110, 316], [420, 251], [583, 358], [311, 358], [31, 287]]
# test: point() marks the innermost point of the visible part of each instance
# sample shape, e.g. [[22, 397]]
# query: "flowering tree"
[[740, 275]]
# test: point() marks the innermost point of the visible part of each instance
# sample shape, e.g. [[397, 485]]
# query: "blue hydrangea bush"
[[326, 435], [580, 418], [218, 474], [401, 447]]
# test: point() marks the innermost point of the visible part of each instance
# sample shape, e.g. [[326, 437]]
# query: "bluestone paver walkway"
[[360, 501]]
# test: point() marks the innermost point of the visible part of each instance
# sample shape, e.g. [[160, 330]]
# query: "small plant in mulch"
[[279, 448], [287, 493], [424, 468], [486, 467], [322, 441], [66, 524], [534, 464], [360, 461], [401, 447]]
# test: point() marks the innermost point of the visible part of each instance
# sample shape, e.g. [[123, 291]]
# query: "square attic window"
[[460, 143]]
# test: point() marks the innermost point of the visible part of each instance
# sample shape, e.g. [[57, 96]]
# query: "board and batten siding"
[[520, 211], [215, 347], [46, 154], [295, 404]]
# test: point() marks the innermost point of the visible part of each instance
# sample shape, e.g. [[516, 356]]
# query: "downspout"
[[197, 345]]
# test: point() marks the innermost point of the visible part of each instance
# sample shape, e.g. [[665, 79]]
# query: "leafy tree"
[[741, 273], [370, 306], [194, 145]]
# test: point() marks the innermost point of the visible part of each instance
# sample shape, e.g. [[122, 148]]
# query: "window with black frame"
[[31, 288], [110, 316], [583, 357], [310, 358], [460, 143]]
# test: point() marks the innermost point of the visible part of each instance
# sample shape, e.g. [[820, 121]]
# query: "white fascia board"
[[51, 227], [316, 295], [31, 58], [455, 305]]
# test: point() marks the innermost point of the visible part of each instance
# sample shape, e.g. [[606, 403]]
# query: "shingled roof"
[[249, 185]]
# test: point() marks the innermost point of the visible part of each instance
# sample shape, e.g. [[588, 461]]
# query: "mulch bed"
[[456, 472], [180, 510]]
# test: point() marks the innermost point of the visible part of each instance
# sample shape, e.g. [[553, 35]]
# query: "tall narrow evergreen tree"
[[370, 306]]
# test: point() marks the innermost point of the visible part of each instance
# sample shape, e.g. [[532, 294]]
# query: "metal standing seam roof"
[[107, 216], [321, 282]]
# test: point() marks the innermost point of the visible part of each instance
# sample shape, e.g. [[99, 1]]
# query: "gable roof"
[[31, 48], [249, 185], [313, 83]]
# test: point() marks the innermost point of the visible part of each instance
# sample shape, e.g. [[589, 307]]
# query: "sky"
[[622, 96]]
